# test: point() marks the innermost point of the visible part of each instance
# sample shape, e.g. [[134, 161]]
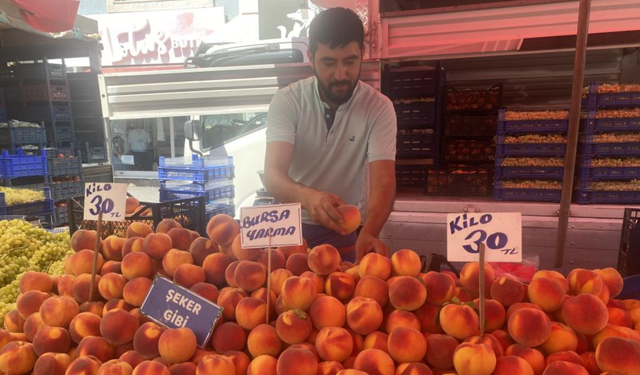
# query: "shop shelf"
[[608, 197], [470, 126], [411, 174], [417, 145], [416, 114], [526, 195], [473, 101], [594, 100], [221, 190], [49, 112], [469, 150], [610, 149], [41, 71], [459, 182], [18, 165], [34, 209], [530, 126], [531, 149], [13, 137], [44, 92], [629, 251]]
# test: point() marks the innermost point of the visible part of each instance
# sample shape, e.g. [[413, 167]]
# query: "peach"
[[58, 311], [334, 344], [17, 357], [463, 295], [407, 345], [115, 367], [51, 339], [201, 248], [590, 363], [137, 264], [111, 286], [136, 291], [297, 361], [214, 267], [278, 260], [512, 365], [250, 312], [441, 287], [29, 303], [244, 253], [562, 338], [138, 229], [351, 371], [82, 262], [263, 365], [96, 346], [374, 362], [229, 274], [358, 342], [364, 315], [373, 287], [324, 259], [495, 315], [613, 331], [13, 322], [521, 305], [84, 325], [529, 327], [118, 327], [240, 361], [470, 277], [299, 293], [572, 357], [377, 340], [83, 239], [604, 295], [546, 293], [351, 218], [36, 281], [133, 358], [503, 337], [228, 299], [340, 285], [565, 368], [166, 225], [223, 229], [612, 279], [489, 341], [427, 314], [262, 295], [229, 336], [52, 364], [82, 287], [329, 368], [507, 291], [175, 258], [186, 368], [121, 349], [31, 326], [459, 321], [405, 263], [619, 355], [95, 307], [553, 275], [132, 245], [146, 338], [318, 280], [177, 345], [298, 249], [584, 281], [112, 248], [474, 359], [116, 304], [298, 263], [88, 365], [327, 311], [415, 368], [132, 203], [207, 291], [354, 271], [583, 343], [180, 238], [585, 313], [264, 340], [401, 318], [375, 265], [189, 275], [156, 245], [440, 349], [293, 326], [250, 275], [532, 356], [151, 368], [407, 293]]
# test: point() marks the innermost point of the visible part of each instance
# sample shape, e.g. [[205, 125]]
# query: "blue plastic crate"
[[530, 126], [222, 209], [616, 197], [34, 209], [41, 71], [595, 100], [18, 165], [416, 114], [610, 149], [61, 215], [530, 149], [526, 195], [593, 125], [65, 166], [200, 170], [588, 173], [538, 173], [13, 136], [226, 190]]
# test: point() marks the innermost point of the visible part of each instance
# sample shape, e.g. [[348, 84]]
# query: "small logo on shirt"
[[353, 138]]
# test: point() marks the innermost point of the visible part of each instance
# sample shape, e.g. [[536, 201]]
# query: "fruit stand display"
[[65, 180], [609, 171], [380, 317], [530, 155]]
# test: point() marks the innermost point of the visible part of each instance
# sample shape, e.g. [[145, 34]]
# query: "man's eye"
[[329, 63]]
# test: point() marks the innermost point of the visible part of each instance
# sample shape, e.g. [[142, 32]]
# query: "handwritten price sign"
[[501, 233], [108, 198], [282, 221]]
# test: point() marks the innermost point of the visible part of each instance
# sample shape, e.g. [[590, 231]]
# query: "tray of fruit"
[[610, 95], [463, 181], [528, 190], [470, 126], [25, 202], [610, 169], [469, 150], [612, 120], [469, 100], [530, 168], [610, 149], [532, 122]]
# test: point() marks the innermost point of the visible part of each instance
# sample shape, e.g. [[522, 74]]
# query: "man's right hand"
[[322, 208]]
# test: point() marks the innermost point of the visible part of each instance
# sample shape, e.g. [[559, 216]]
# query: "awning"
[[50, 16]]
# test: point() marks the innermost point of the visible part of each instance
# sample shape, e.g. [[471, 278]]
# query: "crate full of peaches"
[[380, 317]]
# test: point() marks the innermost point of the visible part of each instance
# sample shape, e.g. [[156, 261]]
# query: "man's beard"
[[337, 99]]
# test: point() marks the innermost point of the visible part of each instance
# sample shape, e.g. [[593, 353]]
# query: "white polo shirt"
[[364, 128]]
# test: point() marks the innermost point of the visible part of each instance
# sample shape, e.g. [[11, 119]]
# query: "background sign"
[[108, 197], [174, 306], [500, 232], [284, 221]]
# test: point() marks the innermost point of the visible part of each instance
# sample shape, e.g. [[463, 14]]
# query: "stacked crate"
[[3, 107], [208, 177], [470, 117], [87, 116], [530, 152], [416, 92], [65, 180], [609, 170]]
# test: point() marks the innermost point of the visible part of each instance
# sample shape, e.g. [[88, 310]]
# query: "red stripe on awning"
[[51, 16]]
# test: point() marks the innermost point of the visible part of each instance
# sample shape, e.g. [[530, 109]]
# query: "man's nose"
[[340, 73]]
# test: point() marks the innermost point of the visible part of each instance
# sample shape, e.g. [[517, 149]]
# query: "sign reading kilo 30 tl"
[[108, 198], [501, 233], [272, 225]]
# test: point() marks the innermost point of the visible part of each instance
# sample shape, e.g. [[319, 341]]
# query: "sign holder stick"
[[482, 290], [268, 275], [96, 251]]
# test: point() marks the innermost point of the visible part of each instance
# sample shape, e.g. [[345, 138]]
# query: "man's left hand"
[[367, 243]]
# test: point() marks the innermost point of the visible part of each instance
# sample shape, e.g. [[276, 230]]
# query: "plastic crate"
[[65, 190], [469, 101], [41, 71], [3, 115], [18, 165], [610, 149], [531, 149], [470, 126], [608, 197], [94, 154], [452, 182], [190, 213], [7, 73], [538, 173], [61, 215], [200, 170], [609, 173], [42, 112], [417, 145], [30, 210], [414, 82], [629, 251], [223, 209], [61, 133], [14, 136], [526, 195], [469, 150], [221, 191], [416, 114], [594, 100], [45, 92], [411, 174], [530, 126], [11, 93], [592, 125]]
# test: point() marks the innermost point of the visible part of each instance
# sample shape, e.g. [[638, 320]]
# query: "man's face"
[[337, 70]]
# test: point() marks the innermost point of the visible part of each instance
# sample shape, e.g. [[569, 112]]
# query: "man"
[[139, 141], [322, 132]]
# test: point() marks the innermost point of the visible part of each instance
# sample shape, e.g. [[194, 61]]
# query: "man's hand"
[[322, 208], [367, 243]]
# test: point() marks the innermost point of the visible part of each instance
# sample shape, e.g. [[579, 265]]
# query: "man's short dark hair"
[[336, 27]]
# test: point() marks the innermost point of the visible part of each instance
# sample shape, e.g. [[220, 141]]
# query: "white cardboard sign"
[[283, 221], [501, 234], [108, 197]]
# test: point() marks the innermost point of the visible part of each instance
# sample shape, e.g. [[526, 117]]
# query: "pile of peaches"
[[379, 317]]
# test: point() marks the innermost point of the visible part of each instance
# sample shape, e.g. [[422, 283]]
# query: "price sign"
[[108, 198], [501, 233], [174, 306], [282, 221]]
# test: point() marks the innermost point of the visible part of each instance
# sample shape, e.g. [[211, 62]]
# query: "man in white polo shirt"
[[322, 132]]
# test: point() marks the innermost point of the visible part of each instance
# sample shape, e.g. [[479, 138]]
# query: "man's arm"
[[382, 182]]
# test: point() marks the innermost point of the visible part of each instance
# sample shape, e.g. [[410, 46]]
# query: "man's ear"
[[310, 57]]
